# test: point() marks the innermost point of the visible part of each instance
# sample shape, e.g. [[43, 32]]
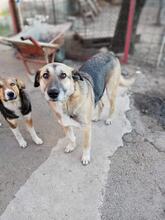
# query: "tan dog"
[[73, 94], [14, 102], [71, 99]]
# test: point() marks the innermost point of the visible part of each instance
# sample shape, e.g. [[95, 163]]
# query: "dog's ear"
[[20, 84], [37, 79], [76, 75]]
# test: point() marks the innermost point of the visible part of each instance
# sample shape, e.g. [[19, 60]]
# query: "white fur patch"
[[46, 96], [34, 136], [70, 147], [86, 157], [14, 106], [58, 70], [62, 95], [32, 131], [19, 137]]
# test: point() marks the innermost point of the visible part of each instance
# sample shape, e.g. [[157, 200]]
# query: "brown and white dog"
[[14, 102], [73, 94]]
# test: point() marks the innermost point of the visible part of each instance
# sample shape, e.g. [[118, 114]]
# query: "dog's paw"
[[69, 148], [85, 159], [95, 119], [108, 121], [23, 143], [38, 140]]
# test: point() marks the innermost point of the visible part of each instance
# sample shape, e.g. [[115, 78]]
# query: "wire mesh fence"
[[151, 30], [95, 22], [55, 11]]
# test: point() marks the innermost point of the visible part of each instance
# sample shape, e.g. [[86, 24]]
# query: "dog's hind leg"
[[15, 129], [72, 139], [86, 144], [30, 128], [111, 90]]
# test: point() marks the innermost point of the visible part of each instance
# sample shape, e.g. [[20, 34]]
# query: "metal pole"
[[129, 31], [54, 11]]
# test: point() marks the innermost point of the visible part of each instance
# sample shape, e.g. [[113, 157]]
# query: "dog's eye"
[[12, 84], [62, 75], [46, 75]]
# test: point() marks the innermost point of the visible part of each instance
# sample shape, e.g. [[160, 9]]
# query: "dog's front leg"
[[86, 144], [98, 110], [15, 129], [62, 118], [72, 139], [30, 128]]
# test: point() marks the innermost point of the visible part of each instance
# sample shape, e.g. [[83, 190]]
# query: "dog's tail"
[[126, 82]]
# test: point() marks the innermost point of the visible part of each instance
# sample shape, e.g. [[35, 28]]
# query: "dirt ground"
[[135, 186]]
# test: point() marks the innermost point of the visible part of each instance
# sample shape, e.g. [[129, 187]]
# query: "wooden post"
[[129, 31], [14, 15]]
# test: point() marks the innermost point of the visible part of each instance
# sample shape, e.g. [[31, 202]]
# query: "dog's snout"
[[53, 93], [10, 94]]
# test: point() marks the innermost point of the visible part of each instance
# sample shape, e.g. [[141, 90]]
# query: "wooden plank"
[[96, 42]]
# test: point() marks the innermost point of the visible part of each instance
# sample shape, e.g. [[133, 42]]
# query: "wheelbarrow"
[[32, 51]]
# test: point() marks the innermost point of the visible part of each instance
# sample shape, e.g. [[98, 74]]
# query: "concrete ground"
[[125, 179], [136, 180]]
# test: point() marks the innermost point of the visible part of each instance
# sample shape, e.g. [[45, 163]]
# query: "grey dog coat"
[[98, 68]]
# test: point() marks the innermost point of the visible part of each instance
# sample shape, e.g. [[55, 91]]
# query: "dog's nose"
[[53, 93], [10, 94]]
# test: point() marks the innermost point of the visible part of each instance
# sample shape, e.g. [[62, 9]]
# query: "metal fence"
[[55, 11], [151, 31], [97, 30]]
